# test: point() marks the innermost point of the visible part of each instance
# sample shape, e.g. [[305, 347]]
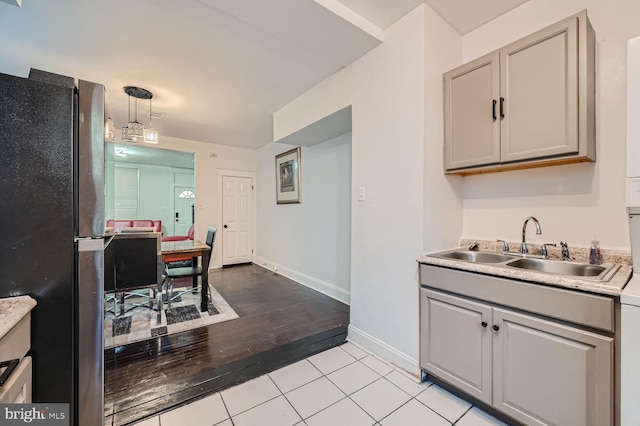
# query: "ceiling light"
[[126, 136], [135, 128], [151, 135], [109, 129]]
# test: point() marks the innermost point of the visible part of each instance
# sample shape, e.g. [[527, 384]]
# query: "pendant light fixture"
[[136, 129], [151, 135], [126, 136], [109, 132]]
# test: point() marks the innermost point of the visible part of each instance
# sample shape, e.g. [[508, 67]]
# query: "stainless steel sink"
[[535, 264], [476, 256], [559, 268]]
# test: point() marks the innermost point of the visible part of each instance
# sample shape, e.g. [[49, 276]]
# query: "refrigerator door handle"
[[89, 155], [90, 344]]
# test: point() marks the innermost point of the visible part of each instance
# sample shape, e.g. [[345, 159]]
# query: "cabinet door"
[[471, 120], [539, 85], [455, 343], [545, 373]]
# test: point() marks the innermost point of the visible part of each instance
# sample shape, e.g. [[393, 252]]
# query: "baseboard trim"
[[383, 350], [323, 287]]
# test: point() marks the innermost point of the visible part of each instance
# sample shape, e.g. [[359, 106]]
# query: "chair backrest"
[[211, 236], [155, 224], [137, 259], [190, 232], [118, 225]]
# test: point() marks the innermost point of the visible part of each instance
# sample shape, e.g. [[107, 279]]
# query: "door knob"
[[225, 226], [484, 324], [496, 327]]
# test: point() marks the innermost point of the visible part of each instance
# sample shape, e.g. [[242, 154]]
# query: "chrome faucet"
[[523, 246], [565, 251]]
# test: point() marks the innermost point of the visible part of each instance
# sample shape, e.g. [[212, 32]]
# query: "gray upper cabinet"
[[529, 104], [472, 136]]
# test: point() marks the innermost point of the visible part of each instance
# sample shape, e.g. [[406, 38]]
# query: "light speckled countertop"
[[12, 310], [613, 287]]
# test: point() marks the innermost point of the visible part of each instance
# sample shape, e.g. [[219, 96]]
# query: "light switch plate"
[[362, 193]]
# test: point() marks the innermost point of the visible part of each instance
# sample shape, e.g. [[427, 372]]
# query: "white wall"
[[442, 193], [309, 242], [574, 202], [156, 195], [206, 179], [155, 192], [391, 89]]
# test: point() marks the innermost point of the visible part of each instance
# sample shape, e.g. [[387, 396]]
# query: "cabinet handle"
[[501, 107], [484, 324], [496, 327], [494, 109], [11, 365]]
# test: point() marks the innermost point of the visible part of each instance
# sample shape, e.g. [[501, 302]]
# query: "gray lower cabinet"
[[455, 344], [537, 371]]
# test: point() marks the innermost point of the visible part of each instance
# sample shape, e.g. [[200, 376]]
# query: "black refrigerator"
[[52, 231]]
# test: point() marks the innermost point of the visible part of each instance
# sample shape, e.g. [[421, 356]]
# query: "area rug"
[[141, 323]]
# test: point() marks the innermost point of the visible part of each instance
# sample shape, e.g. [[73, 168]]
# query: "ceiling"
[[217, 68], [140, 154]]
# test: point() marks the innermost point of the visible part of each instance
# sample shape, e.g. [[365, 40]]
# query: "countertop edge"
[[13, 310]]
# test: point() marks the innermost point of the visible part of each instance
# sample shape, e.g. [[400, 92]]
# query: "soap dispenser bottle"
[[595, 255]]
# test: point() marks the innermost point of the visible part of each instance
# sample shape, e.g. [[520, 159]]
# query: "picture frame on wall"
[[288, 180]]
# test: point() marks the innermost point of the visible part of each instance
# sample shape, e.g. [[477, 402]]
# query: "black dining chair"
[[186, 272]]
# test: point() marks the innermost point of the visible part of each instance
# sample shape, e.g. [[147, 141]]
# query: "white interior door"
[[184, 201], [237, 220]]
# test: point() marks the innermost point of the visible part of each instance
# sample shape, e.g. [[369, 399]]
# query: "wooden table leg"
[[204, 293]]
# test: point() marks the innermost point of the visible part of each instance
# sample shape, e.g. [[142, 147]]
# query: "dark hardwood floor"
[[279, 322]]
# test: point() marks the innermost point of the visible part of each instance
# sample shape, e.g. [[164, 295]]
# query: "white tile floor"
[[341, 386]]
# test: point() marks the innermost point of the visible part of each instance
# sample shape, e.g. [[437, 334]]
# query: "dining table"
[[176, 250]]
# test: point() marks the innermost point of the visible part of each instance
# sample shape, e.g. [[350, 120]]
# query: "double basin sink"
[[555, 267]]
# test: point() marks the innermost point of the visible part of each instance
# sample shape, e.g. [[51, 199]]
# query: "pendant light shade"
[[136, 130], [151, 135], [109, 130], [126, 136]]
